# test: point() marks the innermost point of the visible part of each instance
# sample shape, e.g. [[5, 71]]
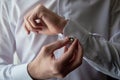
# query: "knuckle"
[[42, 10], [40, 6], [42, 13], [43, 48], [46, 49]]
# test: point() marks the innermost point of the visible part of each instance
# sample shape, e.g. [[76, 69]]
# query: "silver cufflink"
[[71, 39], [37, 21]]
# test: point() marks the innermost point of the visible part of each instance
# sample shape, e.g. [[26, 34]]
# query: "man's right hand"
[[45, 65]]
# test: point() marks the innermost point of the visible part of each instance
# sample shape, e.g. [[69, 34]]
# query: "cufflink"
[[37, 21], [71, 39]]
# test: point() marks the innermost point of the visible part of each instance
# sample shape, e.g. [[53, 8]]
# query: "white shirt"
[[96, 23]]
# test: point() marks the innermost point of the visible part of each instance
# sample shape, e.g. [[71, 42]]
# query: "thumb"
[[58, 44]]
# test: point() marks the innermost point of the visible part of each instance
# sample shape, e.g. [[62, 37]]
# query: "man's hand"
[[44, 21], [45, 65]]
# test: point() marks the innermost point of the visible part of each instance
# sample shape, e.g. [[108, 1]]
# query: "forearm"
[[91, 27], [102, 54]]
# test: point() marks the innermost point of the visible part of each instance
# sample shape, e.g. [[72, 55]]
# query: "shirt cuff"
[[76, 30], [20, 72]]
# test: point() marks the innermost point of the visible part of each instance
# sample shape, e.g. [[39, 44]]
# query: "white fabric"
[[96, 23]]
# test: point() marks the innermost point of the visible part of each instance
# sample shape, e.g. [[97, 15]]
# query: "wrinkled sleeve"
[[101, 53], [9, 71]]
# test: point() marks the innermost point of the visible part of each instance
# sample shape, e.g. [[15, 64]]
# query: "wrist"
[[31, 71], [62, 24]]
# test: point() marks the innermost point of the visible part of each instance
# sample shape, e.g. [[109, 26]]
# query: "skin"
[[45, 65], [50, 23]]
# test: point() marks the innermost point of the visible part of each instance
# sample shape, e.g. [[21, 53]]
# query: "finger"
[[57, 44], [43, 26], [27, 30], [77, 60], [66, 57], [65, 49], [35, 22], [29, 26], [71, 39], [79, 54]]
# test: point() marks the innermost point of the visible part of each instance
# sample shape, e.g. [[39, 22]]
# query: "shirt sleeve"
[[9, 71], [103, 53]]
